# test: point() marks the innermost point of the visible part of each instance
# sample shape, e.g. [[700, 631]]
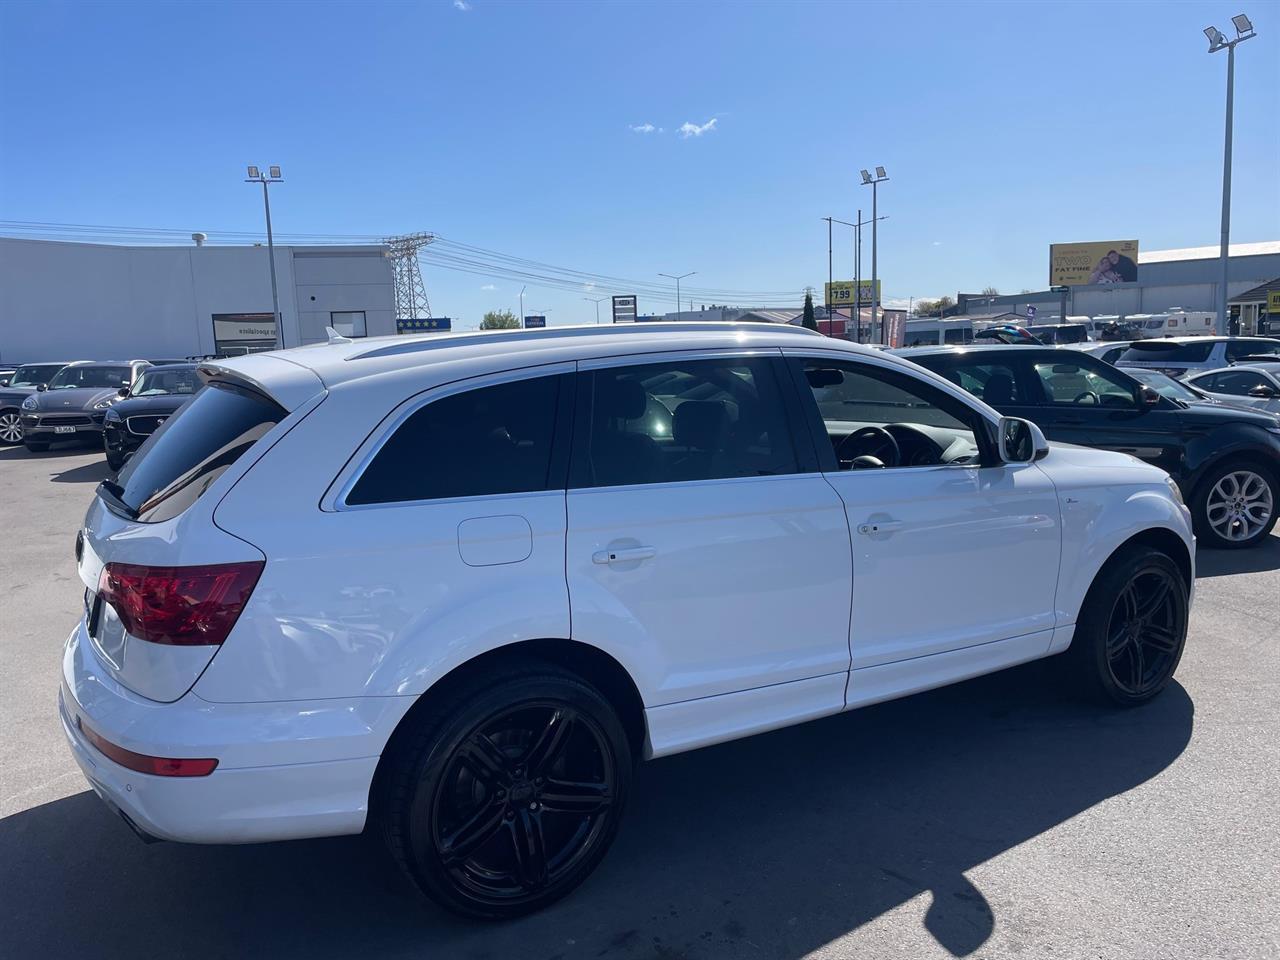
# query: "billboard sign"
[[534, 322], [424, 324], [624, 309], [1273, 304], [840, 293], [244, 327], [1102, 262]]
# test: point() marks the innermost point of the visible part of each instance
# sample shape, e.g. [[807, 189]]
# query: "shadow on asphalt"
[[767, 847], [85, 473], [1224, 563]]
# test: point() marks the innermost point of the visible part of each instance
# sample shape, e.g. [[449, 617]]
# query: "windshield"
[[1165, 385], [69, 378], [156, 383], [33, 374], [1161, 351]]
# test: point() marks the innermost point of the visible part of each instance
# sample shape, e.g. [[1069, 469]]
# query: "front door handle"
[[623, 554], [879, 526]]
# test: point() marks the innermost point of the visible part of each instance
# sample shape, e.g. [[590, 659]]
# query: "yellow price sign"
[[841, 293], [1273, 303]]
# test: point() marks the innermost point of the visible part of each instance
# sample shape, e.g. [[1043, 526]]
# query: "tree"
[[500, 320], [808, 320], [926, 307], [990, 292]]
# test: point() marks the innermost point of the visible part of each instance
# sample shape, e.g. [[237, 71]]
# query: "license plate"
[[64, 429]]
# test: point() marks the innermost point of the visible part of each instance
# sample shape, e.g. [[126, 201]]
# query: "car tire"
[[1234, 506], [10, 427], [114, 461], [1132, 628], [36, 446], [505, 794]]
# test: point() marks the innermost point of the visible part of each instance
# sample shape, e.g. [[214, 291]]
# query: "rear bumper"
[[286, 770]]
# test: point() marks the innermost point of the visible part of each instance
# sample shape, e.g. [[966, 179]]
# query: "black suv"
[[1226, 460]]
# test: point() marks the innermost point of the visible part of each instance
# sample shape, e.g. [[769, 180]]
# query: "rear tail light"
[[184, 606], [157, 766]]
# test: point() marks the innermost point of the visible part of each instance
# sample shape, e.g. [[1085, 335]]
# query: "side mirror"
[[41, 388], [1263, 392], [1148, 396], [122, 392], [4, 381], [1021, 441]]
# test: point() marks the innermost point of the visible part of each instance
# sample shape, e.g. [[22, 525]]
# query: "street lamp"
[[677, 279], [522, 289], [1218, 41], [272, 176], [597, 302], [875, 181]]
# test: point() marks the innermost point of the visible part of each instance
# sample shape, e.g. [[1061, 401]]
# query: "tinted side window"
[[480, 442], [1155, 351], [1238, 383], [683, 420], [1244, 348], [996, 383]]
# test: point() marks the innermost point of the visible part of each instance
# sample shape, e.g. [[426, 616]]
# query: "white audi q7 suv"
[[450, 589]]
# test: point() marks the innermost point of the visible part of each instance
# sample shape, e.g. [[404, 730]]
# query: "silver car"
[[74, 402], [1246, 385], [1186, 356]]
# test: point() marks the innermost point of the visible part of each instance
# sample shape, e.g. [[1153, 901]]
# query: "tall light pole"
[[1218, 41], [597, 303], [522, 289], [875, 181], [271, 176], [677, 279]]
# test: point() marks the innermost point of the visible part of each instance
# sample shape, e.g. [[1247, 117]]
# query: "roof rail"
[[444, 341]]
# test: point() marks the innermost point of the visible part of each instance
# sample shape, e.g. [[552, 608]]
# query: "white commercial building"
[[102, 301]]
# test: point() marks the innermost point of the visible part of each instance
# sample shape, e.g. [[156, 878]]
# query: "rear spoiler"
[[287, 383]]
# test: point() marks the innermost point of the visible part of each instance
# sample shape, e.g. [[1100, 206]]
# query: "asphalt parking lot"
[[998, 818]]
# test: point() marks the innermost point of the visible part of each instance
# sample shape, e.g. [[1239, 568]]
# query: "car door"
[[952, 549], [705, 550], [1088, 402]]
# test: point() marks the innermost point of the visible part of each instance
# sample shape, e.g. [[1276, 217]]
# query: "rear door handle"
[[623, 555], [880, 526]]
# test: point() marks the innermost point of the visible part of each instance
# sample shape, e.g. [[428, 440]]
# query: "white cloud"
[[937, 243], [461, 5], [688, 129], [644, 128], [488, 286]]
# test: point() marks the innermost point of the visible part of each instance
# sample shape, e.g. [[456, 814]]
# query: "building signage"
[[624, 309], [424, 324], [531, 323], [841, 293], [1102, 262], [244, 327], [1273, 304]]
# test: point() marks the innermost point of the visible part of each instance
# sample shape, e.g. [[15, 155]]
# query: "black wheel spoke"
[[566, 796], [1160, 638], [1155, 600], [530, 849], [1129, 603], [486, 761], [1138, 661], [551, 742], [458, 844]]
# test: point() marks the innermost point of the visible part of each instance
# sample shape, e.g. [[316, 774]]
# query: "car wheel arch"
[[589, 663]]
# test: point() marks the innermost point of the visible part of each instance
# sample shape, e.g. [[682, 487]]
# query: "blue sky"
[[511, 126]]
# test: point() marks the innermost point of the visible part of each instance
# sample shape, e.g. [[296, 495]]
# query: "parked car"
[[157, 394], [458, 585], [1252, 385], [5, 373], [1179, 356], [1225, 460], [74, 402], [23, 380], [1107, 351]]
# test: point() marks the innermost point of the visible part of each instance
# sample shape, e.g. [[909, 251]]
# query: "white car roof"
[[293, 375]]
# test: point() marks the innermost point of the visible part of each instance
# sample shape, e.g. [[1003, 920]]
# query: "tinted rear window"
[[1153, 351], [193, 448]]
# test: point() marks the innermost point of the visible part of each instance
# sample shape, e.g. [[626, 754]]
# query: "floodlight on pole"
[[867, 179], [677, 279], [1218, 41], [273, 176]]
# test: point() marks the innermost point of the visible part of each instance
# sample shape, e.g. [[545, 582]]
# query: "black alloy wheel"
[[1132, 627], [509, 794], [1144, 637]]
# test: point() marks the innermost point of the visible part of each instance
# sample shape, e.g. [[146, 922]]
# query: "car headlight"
[[1175, 492], [113, 415], [103, 404], [29, 403]]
